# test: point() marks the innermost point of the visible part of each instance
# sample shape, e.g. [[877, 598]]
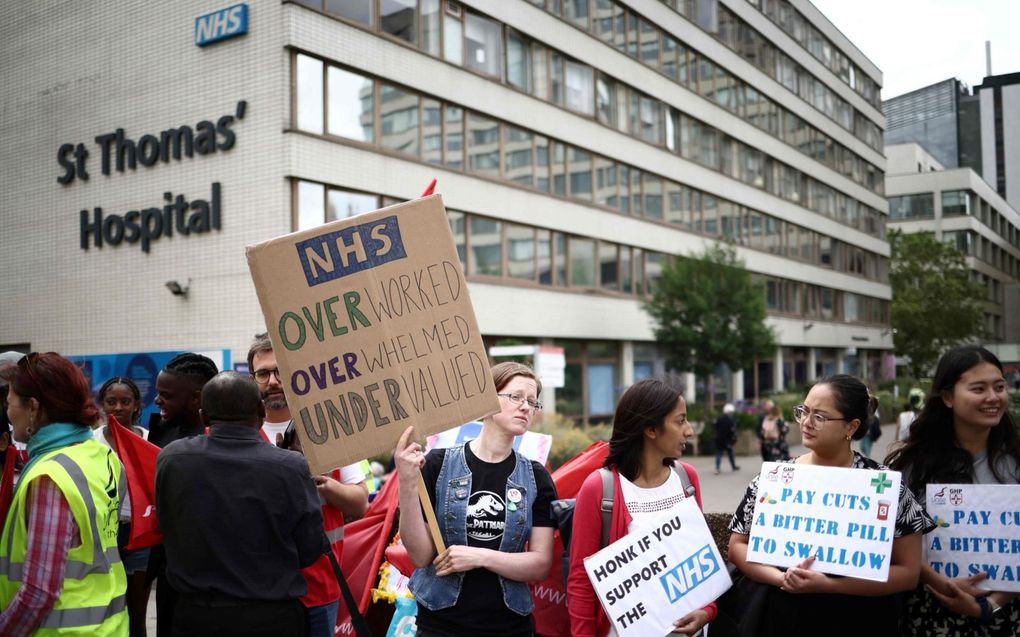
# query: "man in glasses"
[[342, 492]]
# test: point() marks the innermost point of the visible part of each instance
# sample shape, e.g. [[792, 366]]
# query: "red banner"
[[139, 459]]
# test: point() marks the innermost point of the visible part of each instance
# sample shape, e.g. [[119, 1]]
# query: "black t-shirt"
[[480, 609]]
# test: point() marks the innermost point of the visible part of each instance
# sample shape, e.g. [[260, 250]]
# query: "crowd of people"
[[248, 532]]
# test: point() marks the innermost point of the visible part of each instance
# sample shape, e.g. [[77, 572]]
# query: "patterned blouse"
[[911, 517]]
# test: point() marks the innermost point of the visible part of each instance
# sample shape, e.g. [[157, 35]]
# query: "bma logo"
[[687, 575], [222, 24]]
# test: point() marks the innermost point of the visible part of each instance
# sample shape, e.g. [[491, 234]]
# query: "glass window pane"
[[309, 94], [608, 266], [605, 101], [540, 72], [652, 187], [520, 252], [430, 19], [577, 12], [560, 259], [542, 163], [556, 78], [605, 182], [453, 40], [582, 262], [397, 17], [351, 105], [558, 159], [580, 174], [484, 45], [357, 10], [544, 249], [601, 381], [518, 61], [486, 247], [398, 119], [580, 88], [455, 137], [311, 204], [519, 156], [709, 214], [432, 131], [624, 189], [637, 204], [342, 204], [483, 145], [457, 228], [653, 268], [673, 204], [626, 275]]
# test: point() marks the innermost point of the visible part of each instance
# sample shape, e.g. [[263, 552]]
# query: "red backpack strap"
[[608, 487]]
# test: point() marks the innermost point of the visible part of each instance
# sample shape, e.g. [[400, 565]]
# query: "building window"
[[518, 61], [311, 201], [398, 119], [351, 111], [399, 18], [580, 82], [582, 262], [519, 156], [486, 242], [309, 94], [920, 206], [342, 204], [483, 45], [520, 252], [357, 10], [483, 145], [955, 203]]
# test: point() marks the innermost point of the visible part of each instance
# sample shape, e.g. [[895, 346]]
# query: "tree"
[[936, 303], [709, 311]]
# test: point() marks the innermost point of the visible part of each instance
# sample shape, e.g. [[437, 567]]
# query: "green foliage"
[[936, 304], [569, 438], [708, 311]]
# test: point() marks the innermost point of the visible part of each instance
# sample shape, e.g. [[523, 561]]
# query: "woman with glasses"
[[800, 600], [494, 511], [650, 431], [963, 434], [60, 572]]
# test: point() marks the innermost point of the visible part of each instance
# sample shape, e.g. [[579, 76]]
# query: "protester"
[[872, 432], [906, 417], [964, 434], [772, 430], [725, 436], [60, 572], [236, 560], [494, 511], [119, 397], [766, 408], [179, 398], [342, 492], [803, 601], [650, 431]]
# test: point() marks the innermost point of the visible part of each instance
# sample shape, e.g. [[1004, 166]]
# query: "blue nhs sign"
[[222, 24]]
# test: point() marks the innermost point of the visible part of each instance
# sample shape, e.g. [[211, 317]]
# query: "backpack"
[[563, 513]]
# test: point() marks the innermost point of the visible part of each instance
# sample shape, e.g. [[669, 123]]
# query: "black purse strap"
[[357, 619]]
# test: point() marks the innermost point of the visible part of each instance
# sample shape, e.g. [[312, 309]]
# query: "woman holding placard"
[[964, 434], [650, 431], [494, 511], [800, 600]]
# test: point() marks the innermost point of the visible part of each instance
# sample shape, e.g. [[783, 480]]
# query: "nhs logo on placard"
[[222, 24], [688, 574]]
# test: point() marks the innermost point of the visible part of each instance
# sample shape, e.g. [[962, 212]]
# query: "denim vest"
[[453, 489]]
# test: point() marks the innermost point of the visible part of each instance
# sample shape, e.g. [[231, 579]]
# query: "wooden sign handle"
[[430, 515]]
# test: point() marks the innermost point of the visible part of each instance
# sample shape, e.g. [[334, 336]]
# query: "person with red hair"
[[60, 571]]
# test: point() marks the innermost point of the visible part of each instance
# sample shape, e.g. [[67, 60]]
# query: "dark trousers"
[[258, 619]]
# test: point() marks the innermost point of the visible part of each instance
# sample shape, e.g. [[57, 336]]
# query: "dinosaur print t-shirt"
[[480, 609]]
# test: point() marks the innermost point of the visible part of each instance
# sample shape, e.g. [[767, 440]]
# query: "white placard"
[[978, 530], [844, 518], [648, 579], [531, 445]]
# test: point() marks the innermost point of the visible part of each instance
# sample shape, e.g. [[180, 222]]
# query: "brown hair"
[[58, 385], [503, 373], [259, 345]]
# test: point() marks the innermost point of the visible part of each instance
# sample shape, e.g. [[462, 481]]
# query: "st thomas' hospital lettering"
[[119, 152]]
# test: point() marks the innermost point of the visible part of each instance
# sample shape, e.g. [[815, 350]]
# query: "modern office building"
[[961, 208], [999, 100], [944, 118], [576, 145]]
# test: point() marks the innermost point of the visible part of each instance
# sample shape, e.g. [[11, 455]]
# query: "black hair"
[[196, 367], [852, 400], [931, 452], [127, 382], [231, 397], [643, 406]]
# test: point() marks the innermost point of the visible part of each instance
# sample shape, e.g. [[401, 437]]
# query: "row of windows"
[[790, 20], [519, 254], [980, 247], [955, 203], [488, 47], [804, 300], [633, 34], [335, 101]]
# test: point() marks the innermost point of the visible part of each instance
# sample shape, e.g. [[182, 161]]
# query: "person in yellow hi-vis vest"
[[60, 571]]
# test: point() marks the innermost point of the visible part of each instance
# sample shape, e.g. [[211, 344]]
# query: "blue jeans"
[[322, 620], [718, 457]]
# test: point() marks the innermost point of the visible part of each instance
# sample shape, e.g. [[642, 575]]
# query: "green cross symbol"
[[881, 483]]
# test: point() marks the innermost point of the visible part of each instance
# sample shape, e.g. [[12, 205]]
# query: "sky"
[[920, 42]]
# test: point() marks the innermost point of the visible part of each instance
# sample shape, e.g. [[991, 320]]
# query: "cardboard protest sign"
[[978, 531], [531, 445], [650, 578], [844, 518], [373, 330]]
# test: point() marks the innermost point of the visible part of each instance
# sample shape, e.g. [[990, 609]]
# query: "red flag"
[[139, 459], [431, 188], [365, 540], [7, 480], [550, 595]]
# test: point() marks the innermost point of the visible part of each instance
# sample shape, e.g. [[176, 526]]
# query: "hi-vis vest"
[[93, 598]]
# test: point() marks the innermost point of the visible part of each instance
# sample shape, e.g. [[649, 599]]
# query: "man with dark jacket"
[[240, 519]]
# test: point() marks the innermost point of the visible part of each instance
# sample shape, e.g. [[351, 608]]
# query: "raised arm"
[[414, 531]]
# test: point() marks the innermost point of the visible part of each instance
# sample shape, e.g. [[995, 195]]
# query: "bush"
[[569, 438]]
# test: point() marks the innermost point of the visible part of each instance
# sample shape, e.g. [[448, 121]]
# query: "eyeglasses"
[[800, 412], [519, 399], [262, 375]]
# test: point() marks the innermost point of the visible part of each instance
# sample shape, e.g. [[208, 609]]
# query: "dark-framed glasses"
[[519, 399]]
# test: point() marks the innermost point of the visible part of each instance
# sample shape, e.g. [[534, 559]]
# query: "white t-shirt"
[[905, 419], [645, 505], [273, 428], [351, 474]]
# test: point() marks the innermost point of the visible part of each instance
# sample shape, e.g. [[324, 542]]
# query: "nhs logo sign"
[[222, 24]]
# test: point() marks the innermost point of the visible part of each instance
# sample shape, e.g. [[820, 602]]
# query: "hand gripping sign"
[[844, 518], [373, 331], [978, 531], [648, 579]]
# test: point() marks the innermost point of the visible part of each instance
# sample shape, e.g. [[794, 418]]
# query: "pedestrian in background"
[[772, 432], [725, 436]]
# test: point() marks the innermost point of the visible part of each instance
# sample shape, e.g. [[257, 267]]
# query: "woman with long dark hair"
[[650, 431], [59, 566], [963, 435], [802, 601]]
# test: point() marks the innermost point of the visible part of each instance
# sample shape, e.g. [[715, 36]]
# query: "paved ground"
[[720, 493]]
